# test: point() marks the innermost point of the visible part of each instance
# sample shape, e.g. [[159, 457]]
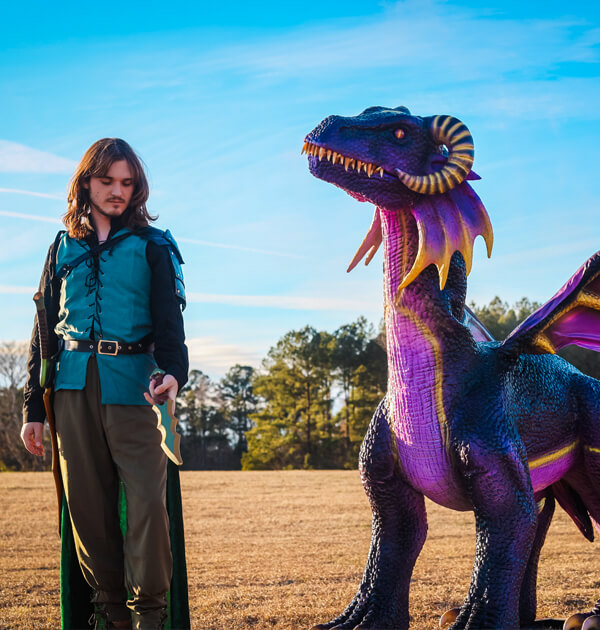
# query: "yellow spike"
[[488, 237], [321, 153], [369, 169], [329, 155], [352, 163], [467, 252], [304, 148], [380, 169], [347, 163], [358, 165], [420, 260], [465, 245], [443, 270]]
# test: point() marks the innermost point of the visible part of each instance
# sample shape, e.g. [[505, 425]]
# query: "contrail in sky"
[[31, 193], [29, 217], [193, 241], [292, 302]]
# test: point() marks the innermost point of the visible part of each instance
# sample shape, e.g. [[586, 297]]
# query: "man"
[[113, 294]]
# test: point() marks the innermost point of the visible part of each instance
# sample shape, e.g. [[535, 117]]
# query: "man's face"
[[110, 195]]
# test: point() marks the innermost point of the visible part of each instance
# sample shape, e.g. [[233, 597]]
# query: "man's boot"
[[102, 619], [150, 620]]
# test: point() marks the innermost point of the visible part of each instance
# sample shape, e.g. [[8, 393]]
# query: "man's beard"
[[99, 210]]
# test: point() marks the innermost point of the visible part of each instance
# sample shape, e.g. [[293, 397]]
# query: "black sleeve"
[[167, 321], [33, 405]]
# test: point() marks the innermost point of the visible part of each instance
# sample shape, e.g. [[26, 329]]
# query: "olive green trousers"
[[101, 445]]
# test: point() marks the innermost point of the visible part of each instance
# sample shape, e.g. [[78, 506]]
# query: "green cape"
[[75, 593]]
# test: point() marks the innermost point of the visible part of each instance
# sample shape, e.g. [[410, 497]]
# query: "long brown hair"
[[95, 163]]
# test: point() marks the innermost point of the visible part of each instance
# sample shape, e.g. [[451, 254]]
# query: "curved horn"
[[455, 135]]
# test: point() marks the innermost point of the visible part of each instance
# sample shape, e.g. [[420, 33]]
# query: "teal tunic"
[[107, 297]]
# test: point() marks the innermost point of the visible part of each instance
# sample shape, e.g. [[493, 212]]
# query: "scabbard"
[[46, 375], [48, 399]]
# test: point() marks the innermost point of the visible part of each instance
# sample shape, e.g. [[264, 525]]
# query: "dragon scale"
[[415, 367]]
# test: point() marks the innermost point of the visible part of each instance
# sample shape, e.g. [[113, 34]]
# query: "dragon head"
[[398, 161]]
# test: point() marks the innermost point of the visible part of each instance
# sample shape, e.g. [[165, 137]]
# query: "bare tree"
[[13, 371]]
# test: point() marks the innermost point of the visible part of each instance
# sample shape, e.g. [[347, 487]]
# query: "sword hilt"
[[38, 298], [157, 378]]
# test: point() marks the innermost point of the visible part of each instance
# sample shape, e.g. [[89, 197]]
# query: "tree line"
[[308, 405]]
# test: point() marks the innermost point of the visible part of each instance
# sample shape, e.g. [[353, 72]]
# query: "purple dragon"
[[500, 428]]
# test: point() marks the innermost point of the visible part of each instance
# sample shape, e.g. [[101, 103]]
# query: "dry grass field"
[[279, 550]]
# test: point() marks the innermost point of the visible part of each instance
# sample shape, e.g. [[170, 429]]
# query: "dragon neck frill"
[[423, 331]]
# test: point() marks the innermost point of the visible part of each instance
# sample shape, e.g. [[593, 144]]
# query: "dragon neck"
[[422, 320]]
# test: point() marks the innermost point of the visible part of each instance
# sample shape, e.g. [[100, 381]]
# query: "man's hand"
[[31, 434], [159, 390]]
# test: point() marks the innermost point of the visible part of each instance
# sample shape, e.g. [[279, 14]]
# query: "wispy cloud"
[[193, 241], [301, 303], [196, 241], [585, 247], [18, 158], [29, 217], [16, 290], [31, 193], [423, 30], [214, 356]]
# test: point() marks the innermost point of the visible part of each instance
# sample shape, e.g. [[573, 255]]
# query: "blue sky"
[[217, 100]]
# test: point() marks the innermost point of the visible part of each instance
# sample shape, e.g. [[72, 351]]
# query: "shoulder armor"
[[165, 239]]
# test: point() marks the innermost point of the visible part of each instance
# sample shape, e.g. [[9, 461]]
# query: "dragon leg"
[[506, 520], [584, 480], [398, 533], [528, 597]]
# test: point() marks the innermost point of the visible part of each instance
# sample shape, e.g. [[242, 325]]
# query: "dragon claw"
[[448, 618], [591, 623], [574, 622], [582, 621]]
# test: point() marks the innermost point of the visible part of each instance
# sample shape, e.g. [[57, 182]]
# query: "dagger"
[[164, 408]]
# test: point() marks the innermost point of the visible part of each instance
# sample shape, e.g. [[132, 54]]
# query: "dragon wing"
[[478, 330], [572, 316]]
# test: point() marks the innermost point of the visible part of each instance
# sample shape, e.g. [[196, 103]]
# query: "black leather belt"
[[108, 347]]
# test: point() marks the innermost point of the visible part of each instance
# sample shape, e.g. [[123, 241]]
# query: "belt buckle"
[[109, 353]]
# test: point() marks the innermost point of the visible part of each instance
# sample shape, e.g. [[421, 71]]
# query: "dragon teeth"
[[334, 157]]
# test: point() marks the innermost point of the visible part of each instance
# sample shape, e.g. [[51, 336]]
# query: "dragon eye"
[[399, 133]]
